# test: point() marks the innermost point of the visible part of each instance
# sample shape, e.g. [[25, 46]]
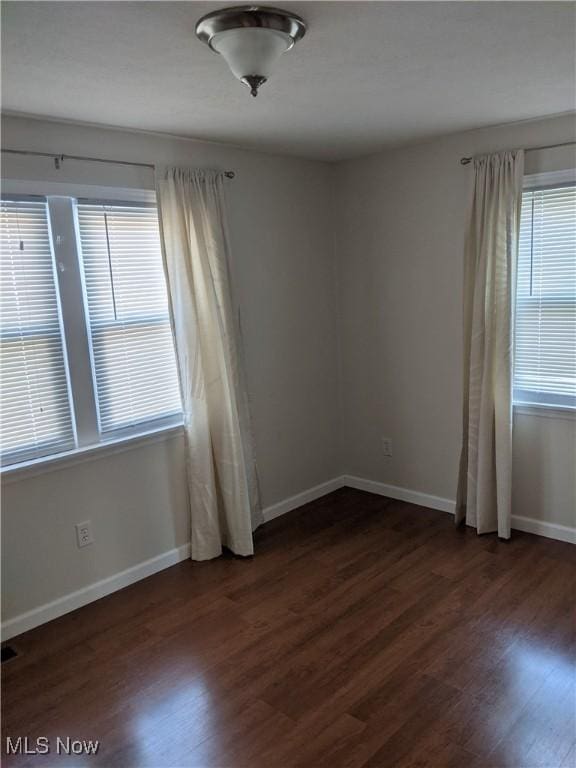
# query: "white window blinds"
[[36, 415], [131, 338], [545, 336]]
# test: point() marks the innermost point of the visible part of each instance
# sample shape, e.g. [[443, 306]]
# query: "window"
[[131, 337], [86, 353], [545, 333], [35, 402]]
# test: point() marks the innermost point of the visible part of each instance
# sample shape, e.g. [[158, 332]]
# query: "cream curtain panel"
[[223, 487], [485, 481]]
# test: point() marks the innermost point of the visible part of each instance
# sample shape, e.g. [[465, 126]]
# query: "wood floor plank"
[[365, 633]]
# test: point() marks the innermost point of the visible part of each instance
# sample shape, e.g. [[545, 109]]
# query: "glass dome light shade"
[[251, 51]]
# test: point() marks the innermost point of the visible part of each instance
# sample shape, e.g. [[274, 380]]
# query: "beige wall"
[[401, 217], [284, 283]]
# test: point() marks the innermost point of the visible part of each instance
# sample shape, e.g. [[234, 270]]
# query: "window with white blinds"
[[36, 415], [132, 345], [86, 348], [545, 333]]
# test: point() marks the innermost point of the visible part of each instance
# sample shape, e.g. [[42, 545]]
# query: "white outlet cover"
[[84, 535], [387, 446]]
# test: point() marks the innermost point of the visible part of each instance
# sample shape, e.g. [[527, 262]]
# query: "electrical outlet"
[[387, 446], [84, 535]]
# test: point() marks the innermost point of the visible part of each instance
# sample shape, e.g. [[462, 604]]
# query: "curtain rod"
[[468, 160], [59, 159]]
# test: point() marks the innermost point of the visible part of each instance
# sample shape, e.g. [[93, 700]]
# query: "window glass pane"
[[36, 415], [132, 345], [545, 336]]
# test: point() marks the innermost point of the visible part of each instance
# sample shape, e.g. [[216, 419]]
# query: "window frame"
[[65, 242], [533, 182]]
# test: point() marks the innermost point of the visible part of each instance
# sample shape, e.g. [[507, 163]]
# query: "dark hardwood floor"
[[364, 633]]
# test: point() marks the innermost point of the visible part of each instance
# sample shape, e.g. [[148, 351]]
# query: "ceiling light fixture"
[[251, 38]]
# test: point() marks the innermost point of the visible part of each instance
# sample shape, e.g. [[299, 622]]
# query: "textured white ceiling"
[[367, 74]]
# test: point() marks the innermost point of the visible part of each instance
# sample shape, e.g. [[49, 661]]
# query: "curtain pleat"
[[223, 488], [485, 477]]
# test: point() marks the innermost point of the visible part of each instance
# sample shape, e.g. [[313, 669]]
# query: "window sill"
[[26, 469], [545, 411]]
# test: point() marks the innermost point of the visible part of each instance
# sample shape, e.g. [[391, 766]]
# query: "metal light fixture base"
[[253, 82], [261, 16]]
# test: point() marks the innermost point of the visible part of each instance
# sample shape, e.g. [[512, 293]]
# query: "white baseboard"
[[519, 523], [293, 502], [70, 602], [95, 591], [542, 528], [402, 494]]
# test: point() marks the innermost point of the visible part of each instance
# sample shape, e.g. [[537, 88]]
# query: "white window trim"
[[538, 180], [56, 462], [132, 437], [65, 189], [546, 410], [75, 330]]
